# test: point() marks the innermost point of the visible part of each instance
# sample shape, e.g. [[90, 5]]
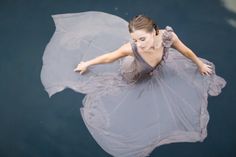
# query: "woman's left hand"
[[205, 69]]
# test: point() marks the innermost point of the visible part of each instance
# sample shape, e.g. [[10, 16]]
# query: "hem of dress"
[[176, 137]]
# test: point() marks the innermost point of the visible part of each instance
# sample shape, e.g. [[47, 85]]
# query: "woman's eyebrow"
[[139, 37]]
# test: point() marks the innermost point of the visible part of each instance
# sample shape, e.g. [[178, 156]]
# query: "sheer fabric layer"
[[128, 111]]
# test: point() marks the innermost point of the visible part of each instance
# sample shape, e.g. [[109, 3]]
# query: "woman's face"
[[144, 40]]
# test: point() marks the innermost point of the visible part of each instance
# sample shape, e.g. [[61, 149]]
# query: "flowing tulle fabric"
[[130, 108]]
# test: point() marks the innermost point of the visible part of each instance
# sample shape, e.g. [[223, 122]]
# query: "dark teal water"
[[32, 125]]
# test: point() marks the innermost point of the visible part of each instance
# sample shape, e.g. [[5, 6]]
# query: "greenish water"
[[32, 125]]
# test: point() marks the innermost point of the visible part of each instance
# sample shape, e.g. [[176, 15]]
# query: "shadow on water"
[[31, 124]]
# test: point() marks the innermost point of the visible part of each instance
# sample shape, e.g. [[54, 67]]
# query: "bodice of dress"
[[136, 68]]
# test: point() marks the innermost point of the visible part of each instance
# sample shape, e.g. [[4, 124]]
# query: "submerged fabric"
[[130, 108]]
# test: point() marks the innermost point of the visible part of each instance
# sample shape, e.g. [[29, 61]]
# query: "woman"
[[148, 39], [153, 92]]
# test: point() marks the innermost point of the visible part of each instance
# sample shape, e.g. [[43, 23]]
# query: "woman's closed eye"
[[142, 39]]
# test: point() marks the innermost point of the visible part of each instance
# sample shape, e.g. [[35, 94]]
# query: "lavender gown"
[[130, 108]]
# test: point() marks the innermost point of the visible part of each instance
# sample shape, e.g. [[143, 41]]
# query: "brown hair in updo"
[[142, 22]]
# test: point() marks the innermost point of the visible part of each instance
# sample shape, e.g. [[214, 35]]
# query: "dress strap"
[[135, 49], [167, 36]]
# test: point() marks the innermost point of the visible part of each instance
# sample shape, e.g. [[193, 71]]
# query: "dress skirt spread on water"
[[130, 107]]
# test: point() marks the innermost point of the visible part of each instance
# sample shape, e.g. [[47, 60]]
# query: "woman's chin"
[[143, 48]]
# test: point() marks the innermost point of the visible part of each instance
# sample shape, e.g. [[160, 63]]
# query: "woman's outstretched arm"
[[123, 51], [204, 69]]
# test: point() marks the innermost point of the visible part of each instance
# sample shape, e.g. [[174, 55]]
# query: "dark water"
[[32, 125]]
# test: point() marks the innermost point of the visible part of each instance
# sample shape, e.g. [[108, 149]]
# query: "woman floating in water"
[[153, 91], [149, 43]]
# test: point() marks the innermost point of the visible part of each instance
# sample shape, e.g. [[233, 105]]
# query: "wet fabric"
[[130, 107]]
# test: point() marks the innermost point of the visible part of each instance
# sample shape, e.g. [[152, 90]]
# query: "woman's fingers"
[[81, 68], [81, 72], [209, 66], [75, 70], [207, 70], [206, 73]]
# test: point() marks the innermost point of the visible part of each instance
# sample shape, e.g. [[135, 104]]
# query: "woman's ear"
[[154, 32]]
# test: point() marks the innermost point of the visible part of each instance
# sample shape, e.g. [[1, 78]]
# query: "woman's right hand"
[[81, 67]]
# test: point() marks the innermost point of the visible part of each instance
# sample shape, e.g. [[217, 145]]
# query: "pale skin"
[[150, 48]]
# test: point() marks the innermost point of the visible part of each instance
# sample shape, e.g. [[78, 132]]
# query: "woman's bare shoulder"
[[127, 48], [161, 31]]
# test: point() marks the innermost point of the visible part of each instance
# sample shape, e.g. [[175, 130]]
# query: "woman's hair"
[[142, 22]]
